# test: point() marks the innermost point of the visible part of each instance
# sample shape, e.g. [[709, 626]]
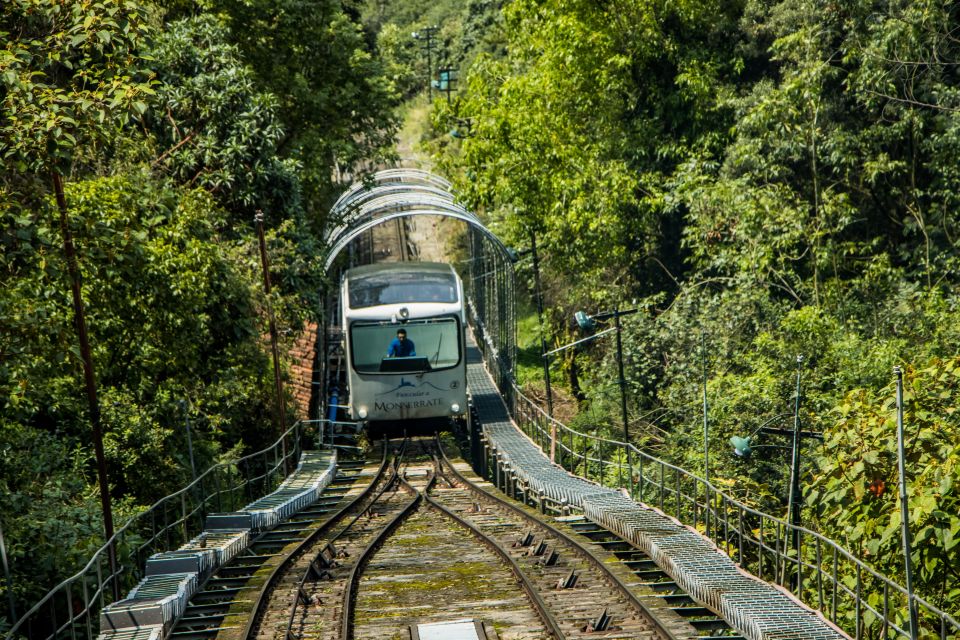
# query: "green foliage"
[[570, 132], [860, 449], [168, 309], [71, 75], [334, 100], [768, 179], [216, 128], [46, 483], [168, 131]]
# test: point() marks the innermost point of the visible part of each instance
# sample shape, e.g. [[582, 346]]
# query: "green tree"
[[335, 103], [214, 127]]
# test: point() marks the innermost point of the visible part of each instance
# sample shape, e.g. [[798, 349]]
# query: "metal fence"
[[71, 608], [817, 570], [490, 287]]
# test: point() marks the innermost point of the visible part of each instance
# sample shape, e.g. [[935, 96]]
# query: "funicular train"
[[405, 343]]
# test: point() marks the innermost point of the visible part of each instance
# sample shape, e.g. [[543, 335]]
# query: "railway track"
[[531, 580], [708, 624], [226, 604], [385, 551], [578, 595], [298, 603]]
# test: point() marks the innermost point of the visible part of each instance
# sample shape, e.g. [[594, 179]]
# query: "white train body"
[[426, 300]]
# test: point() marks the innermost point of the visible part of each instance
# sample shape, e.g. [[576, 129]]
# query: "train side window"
[[437, 340]]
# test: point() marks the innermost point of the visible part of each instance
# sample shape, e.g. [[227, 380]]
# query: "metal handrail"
[[821, 572], [92, 582], [780, 524]]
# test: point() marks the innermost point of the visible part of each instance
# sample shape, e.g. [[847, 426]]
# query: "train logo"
[[404, 384]]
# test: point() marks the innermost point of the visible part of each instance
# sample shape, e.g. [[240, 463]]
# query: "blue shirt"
[[400, 349]]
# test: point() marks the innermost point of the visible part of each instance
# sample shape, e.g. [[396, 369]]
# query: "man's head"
[[402, 334]]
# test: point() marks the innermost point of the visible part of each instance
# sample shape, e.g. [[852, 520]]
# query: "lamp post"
[[904, 511], [281, 414], [546, 365], [743, 447], [588, 323]]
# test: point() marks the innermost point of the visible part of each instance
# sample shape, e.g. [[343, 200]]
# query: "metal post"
[[793, 506], [543, 345], [622, 381], [543, 342], [430, 63], [281, 414], [904, 512], [706, 423], [186, 424], [89, 376], [7, 578]]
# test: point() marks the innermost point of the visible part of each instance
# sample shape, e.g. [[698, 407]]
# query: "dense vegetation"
[[169, 124], [766, 178], [773, 179]]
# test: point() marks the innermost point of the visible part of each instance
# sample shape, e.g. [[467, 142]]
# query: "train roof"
[[357, 273], [401, 282]]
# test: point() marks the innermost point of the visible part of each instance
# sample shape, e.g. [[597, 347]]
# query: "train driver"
[[401, 347]]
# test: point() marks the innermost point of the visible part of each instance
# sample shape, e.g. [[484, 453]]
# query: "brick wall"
[[302, 356]]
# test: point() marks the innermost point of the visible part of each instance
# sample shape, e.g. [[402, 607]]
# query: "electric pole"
[[427, 35]]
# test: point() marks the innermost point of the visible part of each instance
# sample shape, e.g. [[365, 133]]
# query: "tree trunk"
[[80, 322]]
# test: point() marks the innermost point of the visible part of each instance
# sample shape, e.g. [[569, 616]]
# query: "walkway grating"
[[758, 609], [173, 577]]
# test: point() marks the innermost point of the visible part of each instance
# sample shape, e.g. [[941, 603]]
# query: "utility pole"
[[427, 35], [281, 414], [706, 422], [543, 344]]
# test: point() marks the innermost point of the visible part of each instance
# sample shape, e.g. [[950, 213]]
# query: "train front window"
[[427, 345], [397, 288]]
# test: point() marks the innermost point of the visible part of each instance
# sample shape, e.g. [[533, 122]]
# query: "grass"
[[416, 122], [529, 362]]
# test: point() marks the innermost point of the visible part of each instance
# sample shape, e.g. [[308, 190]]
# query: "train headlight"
[[455, 408], [362, 413]]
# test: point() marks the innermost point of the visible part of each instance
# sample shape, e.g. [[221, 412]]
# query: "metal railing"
[[817, 570], [70, 609]]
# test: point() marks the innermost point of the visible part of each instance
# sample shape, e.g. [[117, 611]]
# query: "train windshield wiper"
[[436, 357]]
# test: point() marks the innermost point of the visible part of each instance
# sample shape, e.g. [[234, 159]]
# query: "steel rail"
[[331, 522], [625, 591], [346, 629], [402, 239], [543, 611], [256, 611]]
